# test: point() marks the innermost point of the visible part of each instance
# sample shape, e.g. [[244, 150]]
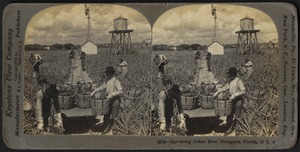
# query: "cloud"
[[194, 23], [68, 24]]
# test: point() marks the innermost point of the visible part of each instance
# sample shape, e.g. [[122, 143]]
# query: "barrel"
[[189, 101], [222, 107], [66, 100], [206, 102], [99, 106], [83, 101], [255, 94]]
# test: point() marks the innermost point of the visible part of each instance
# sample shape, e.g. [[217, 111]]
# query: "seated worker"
[[113, 89], [236, 89]]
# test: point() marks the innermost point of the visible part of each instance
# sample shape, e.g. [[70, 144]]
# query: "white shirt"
[[236, 87], [112, 86]]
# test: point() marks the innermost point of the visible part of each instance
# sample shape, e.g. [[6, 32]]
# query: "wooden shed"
[[216, 48], [89, 47]]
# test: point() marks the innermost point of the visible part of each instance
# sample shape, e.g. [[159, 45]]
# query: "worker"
[[248, 65], [124, 68], [36, 60], [82, 57], [160, 61], [165, 108], [197, 57], [114, 91], [236, 89], [71, 59], [45, 98], [208, 59]]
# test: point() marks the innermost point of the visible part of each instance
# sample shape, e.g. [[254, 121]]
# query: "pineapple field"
[[138, 116]]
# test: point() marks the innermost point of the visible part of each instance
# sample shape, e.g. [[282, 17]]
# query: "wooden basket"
[[66, 101], [189, 102], [207, 102], [83, 101], [255, 94], [222, 107], [100, 95], [133, 94], [99, 107]]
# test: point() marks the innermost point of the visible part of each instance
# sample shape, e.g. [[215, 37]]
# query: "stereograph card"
[[150, 75]]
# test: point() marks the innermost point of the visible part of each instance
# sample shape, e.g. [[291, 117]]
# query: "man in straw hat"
[[44, 100], [113, 89], [236, 89], [165, 107]]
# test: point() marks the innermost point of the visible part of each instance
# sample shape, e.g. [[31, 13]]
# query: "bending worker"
[[165, 108], [43, 105], [160, 61]]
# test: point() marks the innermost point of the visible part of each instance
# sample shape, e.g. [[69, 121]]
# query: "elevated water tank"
[[120, 23], [247, 24]]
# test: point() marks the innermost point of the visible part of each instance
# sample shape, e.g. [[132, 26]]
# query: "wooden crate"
[[255, 94]]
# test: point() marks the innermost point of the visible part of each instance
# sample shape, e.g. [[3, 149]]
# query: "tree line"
[[39, 47]]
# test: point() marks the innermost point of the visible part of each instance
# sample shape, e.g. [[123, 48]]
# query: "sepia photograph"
[[87, 71], [156, 76], [223, 68]]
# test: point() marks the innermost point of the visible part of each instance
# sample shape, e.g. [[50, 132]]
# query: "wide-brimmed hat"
[[52, 91], [232, 71], [109, 70], [175, 91]]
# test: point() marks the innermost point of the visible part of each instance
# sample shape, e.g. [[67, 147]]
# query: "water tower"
[[247, 42], [120, 36]]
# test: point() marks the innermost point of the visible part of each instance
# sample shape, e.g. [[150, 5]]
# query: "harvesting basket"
[[207, 102], [66, 100], [222, 107], [189, 101], [99, 106], [255, 94], [100, 95], [133, 94], [83, 101]]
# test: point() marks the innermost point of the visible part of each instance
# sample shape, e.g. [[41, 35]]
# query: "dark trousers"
[[161, 68], [209, 65], [46, 112], [113, 111], [237, 106], [169, 113], [83, 64]]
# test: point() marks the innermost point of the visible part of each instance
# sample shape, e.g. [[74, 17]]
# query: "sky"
[[181, 25], [194, 24], [68, 24]]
